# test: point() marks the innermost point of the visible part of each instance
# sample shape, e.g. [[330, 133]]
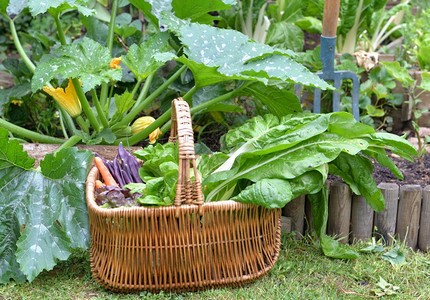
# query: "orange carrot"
[[107, 176], [99, 184]]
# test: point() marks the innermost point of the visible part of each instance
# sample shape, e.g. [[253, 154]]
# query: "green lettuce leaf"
[[381, 156], [43, 212], [344, 124], [269, 193], [86, 60], [160, 173], [310, 182], [285, 164], [395, 143], [329, 246], [279, 102], [356, 171]]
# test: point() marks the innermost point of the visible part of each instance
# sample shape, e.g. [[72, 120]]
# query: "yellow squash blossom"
[[17, 102], [67, 98], [143, 122], [114, 63]]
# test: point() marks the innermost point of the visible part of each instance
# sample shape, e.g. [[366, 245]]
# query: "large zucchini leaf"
[[196, 11], [214, 55], [43, 213], [86, 60]]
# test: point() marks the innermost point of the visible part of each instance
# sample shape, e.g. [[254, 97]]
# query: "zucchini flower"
[[143, 122], [114, 63], [67, 98]]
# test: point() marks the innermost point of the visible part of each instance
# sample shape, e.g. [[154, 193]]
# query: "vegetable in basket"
[[272, 161], [153, 183]]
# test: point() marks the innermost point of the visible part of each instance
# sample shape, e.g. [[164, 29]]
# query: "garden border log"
[[361, 219], [424, 233], [38, 151], [408, 216], [385, 221], [295, 209], [339, 210]]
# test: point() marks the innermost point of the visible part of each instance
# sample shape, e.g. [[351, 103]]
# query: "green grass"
[[301, 272]]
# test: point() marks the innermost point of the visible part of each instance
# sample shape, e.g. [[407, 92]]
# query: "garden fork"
[[327, 51]]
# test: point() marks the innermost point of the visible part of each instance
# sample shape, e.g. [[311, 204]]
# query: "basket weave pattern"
[[183, 247]]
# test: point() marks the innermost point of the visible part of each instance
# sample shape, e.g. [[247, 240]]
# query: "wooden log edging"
[[386, 220], [406, 216]]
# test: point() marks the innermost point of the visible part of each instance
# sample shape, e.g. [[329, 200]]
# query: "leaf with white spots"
[[148, 57], [152, 9], [196, 11], [54, 7], [233, 55], [87, 60], [43, 213]]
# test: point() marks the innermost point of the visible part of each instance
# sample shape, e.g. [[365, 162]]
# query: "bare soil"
[[417, 172]]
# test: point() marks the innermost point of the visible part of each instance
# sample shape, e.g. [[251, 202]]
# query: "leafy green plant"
[[357, 16], [383, 24], [401, 74], [278, 24], [273, 160], [43, 214], [415, 37], [104, 116], [376, 97], [288, 20]]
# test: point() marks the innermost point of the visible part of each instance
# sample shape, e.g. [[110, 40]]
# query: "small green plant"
[[355, 17], [415, 45], [401, 74]]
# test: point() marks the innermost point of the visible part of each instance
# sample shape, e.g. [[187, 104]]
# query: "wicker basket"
[[189, 246]]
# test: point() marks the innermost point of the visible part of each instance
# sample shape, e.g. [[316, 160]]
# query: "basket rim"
[[91, 203]]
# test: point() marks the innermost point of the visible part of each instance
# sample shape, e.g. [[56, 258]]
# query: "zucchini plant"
[[82, 75]]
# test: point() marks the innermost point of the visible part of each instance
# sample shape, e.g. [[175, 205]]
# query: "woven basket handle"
[[187, 190]]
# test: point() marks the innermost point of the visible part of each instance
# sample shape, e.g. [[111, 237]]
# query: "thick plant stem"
[[114, 9], [82, 124], [109, 43], [144, 92], [85, 105], [68, 119], [63, 127], [205, 105], [61, 35], [134, 139], [69, 143], [189, 94], [139, 106], [99, 109], [41, 138], [136, 87], [19, 47]]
